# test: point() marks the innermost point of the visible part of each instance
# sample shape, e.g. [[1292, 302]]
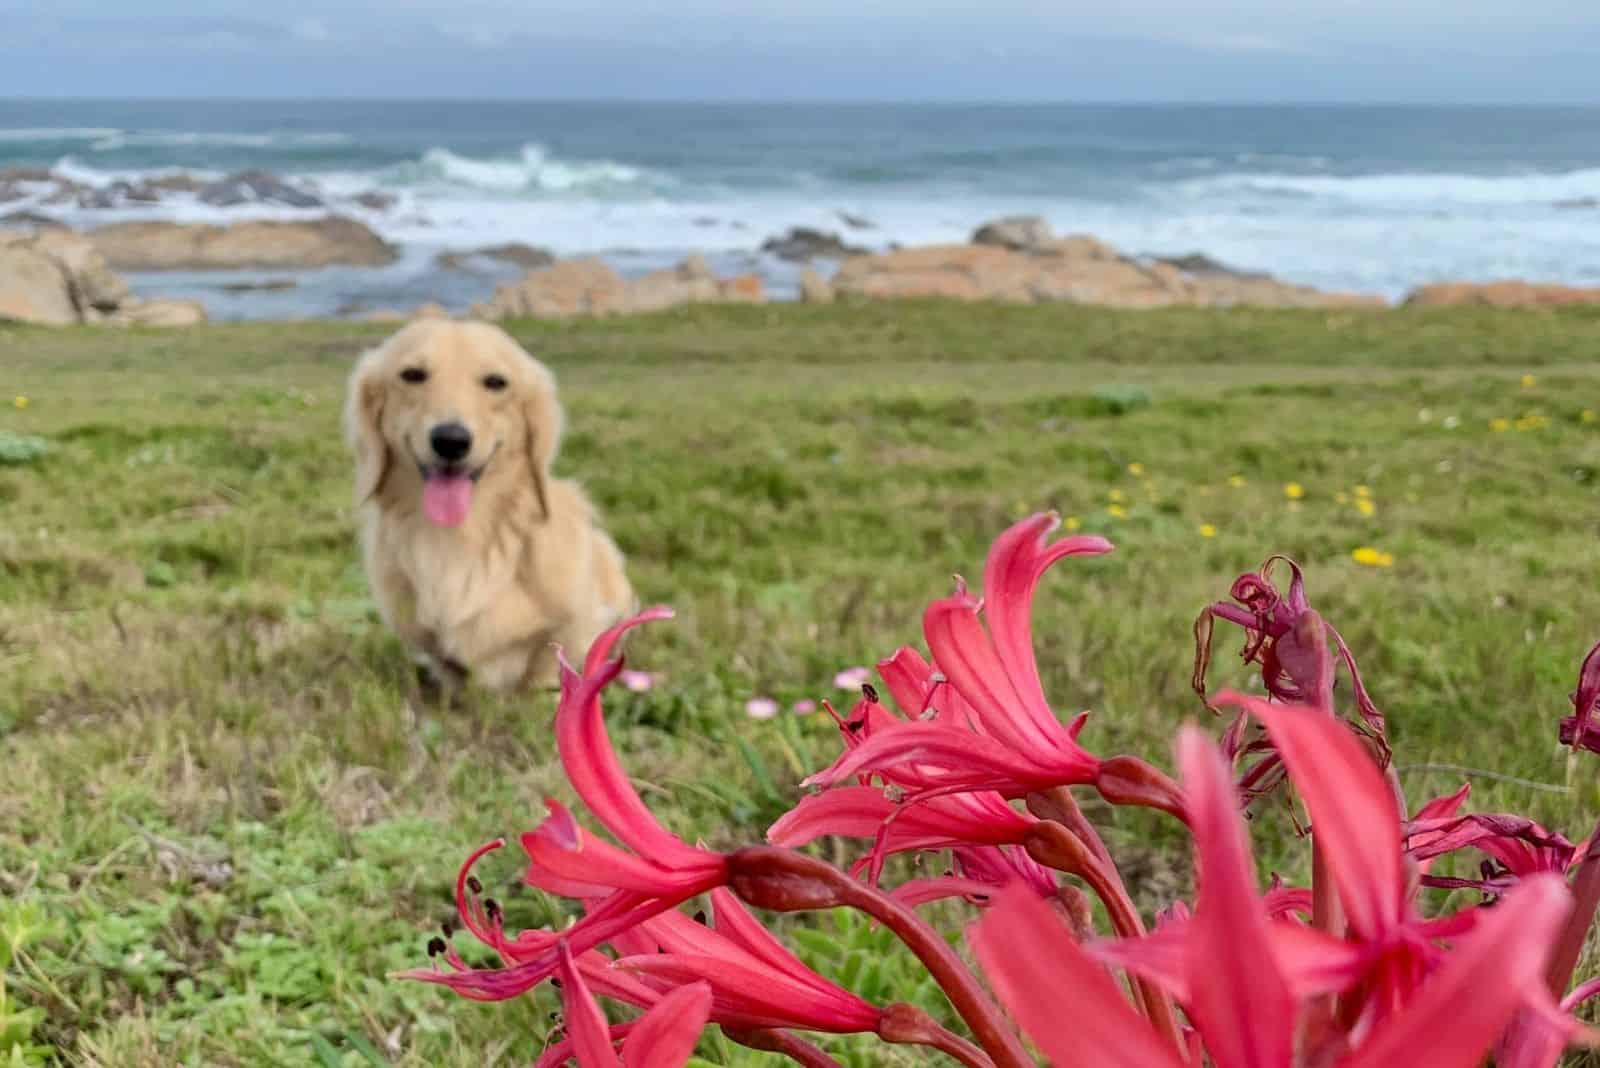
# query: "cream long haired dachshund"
[[478, 558]]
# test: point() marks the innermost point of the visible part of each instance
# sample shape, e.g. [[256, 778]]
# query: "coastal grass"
[[227, 815]]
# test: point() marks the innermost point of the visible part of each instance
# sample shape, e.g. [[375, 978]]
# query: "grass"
[[227, 817]]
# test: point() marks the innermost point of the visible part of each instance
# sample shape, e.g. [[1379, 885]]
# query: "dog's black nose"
[[450, 441]]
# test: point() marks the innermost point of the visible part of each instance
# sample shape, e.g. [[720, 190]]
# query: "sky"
[[1404, 51]]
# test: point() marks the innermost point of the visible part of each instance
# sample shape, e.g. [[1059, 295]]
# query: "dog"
[[478, 558]]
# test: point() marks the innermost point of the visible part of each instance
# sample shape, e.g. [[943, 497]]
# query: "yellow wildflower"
[[1365, 506], [1367, 556], [1294, 491], [1207, 530], [1528, 381], [1236, 481], [1341, 497], [1499, 424], [1116, 511], [1116, 496], [1589, 416], [1363, 491], [1071, 523], [1136, 470], [1531, 422], [20, 402]]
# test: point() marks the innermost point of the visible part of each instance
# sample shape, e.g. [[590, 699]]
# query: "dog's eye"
[[494, 382], [414, 375]]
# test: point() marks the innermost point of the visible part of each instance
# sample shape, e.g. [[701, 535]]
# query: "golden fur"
[[529, 567]]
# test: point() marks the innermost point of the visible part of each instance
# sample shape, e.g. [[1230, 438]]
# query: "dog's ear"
[[542, 421], [363, 414]]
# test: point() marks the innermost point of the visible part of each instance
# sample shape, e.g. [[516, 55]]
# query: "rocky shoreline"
[[52, 274]]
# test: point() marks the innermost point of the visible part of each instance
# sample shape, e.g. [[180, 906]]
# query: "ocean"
[[1371, 199]]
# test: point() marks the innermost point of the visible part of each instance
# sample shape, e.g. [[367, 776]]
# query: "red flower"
[[623, 887], [663, 1037], [1232, 966], [755, 981], [982, 721]]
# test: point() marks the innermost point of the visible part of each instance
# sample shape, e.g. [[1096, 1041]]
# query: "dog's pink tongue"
[[446, 498]]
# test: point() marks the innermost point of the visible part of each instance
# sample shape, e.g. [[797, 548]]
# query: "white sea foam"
[[1406, 190]]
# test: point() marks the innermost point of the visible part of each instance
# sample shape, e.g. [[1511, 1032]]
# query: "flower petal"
[[665, 1036], [589, 760], [1066, 1002], [1017, 561], [1239, 999], [1353, 812], [1465, 1005], [585, 1023]]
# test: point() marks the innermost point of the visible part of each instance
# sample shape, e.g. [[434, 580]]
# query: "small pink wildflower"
[[804, 708], [852, 678], [761, 708], [637, 681]]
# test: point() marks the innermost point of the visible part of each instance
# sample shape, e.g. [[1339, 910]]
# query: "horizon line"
[[1221, 102]]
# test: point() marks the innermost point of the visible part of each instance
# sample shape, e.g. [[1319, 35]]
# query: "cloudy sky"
[[1533, 51]]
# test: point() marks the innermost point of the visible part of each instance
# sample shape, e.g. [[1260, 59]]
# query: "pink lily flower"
[[1233, 968], [755, 981], [1516, 847], [655, 872], [978, 875], [1001, 736], [664, 1037]]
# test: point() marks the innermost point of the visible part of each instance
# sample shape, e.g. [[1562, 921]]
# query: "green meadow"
[[228, 815]]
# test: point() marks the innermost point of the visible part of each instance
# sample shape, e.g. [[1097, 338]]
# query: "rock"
[[742, 289], [34, 288], [803, 243], [260, 244], [26, 174], [814, 289], [375, 201], [161, 311], [256, 187], [174, 183], [1509, 294], [58, 277], [1015, 232], [524, 256], [29, 220], [1078, 270], [856, 222], [562, 290], [94, 285], [570, 288], [1200, 263], [268, 285]]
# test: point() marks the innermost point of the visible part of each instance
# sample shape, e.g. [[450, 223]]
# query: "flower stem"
[[1055, 846], [785, 881], [773, 1040], [908, 1025]]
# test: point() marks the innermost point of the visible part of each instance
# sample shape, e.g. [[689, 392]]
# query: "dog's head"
[[460, 404]]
